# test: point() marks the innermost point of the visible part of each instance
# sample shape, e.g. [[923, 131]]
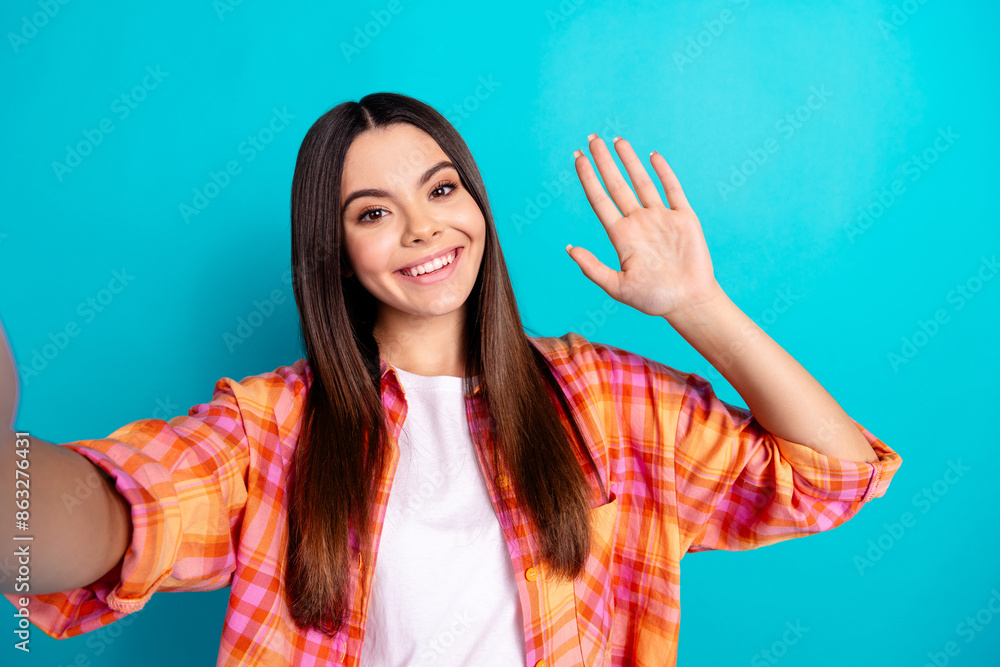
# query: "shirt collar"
[[385, 368]]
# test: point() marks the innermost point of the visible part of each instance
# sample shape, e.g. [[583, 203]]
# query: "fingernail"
[[568, 247], [590, 137], [615, 140], [651, 154], [577, 153]]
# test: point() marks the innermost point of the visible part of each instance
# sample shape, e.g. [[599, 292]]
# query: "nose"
[[421, 227]]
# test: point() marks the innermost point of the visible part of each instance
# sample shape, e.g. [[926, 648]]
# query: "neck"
[[423, 345]]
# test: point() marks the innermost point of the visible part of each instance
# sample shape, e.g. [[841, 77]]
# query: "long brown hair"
[[334, 477]]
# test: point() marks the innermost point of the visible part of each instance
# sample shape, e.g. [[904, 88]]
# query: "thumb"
[[603, 276]]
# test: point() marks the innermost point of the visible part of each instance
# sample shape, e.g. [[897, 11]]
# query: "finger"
[[671, 186], [599, 201], [644, 186], [604, 277], [619, 190]]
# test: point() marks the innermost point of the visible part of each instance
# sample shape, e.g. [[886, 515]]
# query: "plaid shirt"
[[685, 472]]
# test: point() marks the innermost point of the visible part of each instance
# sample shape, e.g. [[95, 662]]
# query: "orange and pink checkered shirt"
[[685, 472]]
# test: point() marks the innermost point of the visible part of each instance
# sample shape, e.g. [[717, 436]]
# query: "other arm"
[[781, 394]]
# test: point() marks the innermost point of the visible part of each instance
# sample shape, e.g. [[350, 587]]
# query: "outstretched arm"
[[71, 544]]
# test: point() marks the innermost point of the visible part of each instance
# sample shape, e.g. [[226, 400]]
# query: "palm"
[[665, 263]]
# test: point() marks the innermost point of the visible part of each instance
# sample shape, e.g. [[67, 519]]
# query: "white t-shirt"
[[443, 590]]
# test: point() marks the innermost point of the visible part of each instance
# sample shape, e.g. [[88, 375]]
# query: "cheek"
[[474, 225], [366, 252]]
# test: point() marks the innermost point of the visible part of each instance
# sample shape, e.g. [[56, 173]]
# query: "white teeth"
[[433, 265]]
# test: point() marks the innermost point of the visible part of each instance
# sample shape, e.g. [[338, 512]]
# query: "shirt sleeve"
[[740, 487], [185, 481]]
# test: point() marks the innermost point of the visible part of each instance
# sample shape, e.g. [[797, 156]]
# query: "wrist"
[[700, 311]]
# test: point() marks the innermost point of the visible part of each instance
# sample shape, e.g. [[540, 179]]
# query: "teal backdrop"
[[839, 155]]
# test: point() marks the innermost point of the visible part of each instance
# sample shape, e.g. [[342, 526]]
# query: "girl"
[[429, 485]]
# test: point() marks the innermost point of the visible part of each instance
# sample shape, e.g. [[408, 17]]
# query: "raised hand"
[[665, 263]]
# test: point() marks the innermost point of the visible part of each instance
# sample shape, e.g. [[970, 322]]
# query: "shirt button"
[[531, 574], [540, 663], [502, 481]]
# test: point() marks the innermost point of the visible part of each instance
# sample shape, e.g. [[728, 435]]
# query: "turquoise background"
[[707, 84]]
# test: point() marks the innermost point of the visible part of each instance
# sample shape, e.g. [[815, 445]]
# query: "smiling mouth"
[[433, 266]]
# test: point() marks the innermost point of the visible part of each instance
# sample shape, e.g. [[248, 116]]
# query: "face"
[[423, 211]]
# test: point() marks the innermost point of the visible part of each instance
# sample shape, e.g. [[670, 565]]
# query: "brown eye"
[[445, 184], [363, 216], [370, 209]]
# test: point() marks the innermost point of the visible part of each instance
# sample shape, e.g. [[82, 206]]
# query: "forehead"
[[392, 157]]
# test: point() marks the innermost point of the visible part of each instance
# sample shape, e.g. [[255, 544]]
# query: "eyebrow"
[[375, 192]]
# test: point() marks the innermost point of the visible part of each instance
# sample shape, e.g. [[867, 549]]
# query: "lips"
[[428, 258], [436, 276]]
